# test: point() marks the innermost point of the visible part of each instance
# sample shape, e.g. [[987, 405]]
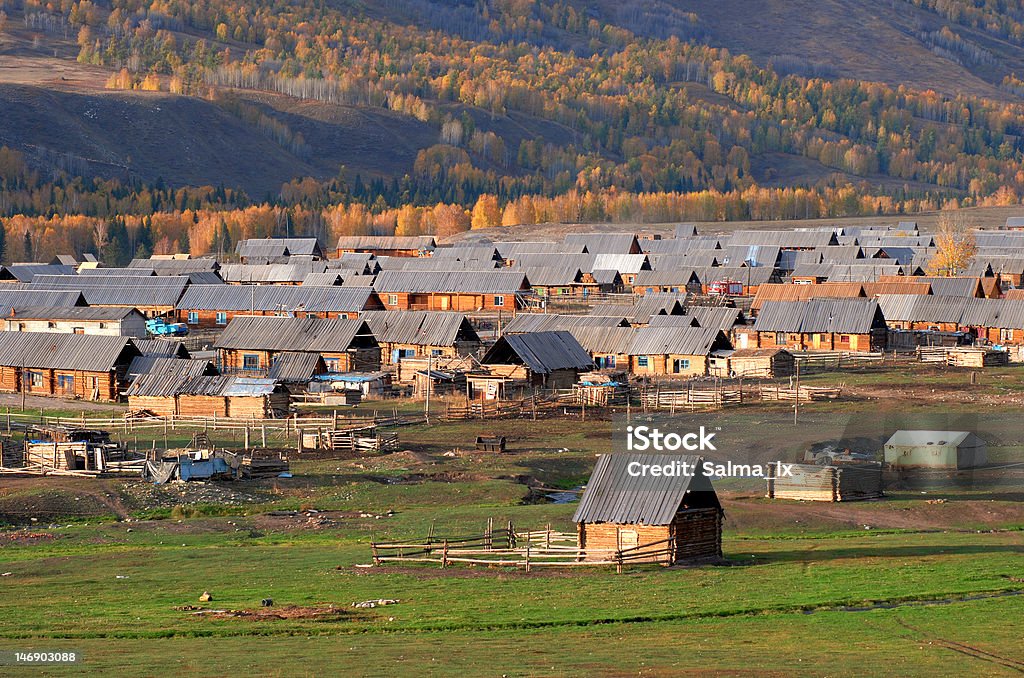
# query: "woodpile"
[[691, 398], [262, 466], [360, 439], [804, 394], [962, 356], [810, 482]]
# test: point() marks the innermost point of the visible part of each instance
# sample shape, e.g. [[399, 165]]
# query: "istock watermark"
[[651, 439]]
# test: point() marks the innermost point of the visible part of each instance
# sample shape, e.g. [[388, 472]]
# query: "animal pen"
[[506, 547]]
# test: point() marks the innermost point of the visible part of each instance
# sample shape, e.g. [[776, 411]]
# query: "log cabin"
[[251, 344], [536, 359], [821, 325], [757, 363], [88, 367], [213, 306], [152, 295], [416, 334], [467, 291], [674, 351], [210, 396], [664, 519]]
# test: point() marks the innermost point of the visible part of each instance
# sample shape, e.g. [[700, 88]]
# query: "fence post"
[[444, 555], [527, 555]]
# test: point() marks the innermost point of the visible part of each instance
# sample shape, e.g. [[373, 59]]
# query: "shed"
[[935, 449], [549, 359], [665, 519]]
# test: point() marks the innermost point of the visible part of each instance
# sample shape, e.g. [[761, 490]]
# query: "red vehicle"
[[726, 288]]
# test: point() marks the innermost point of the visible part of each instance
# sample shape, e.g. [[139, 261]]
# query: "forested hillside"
[[420, 116]]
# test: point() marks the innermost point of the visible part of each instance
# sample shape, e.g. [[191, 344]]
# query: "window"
[[66, 382], [1005, 334], [51, 325], [35, 379], [81, 330], [680, 365], [641, 361], [781, 338], [499, 300], [250, 362], [332, 364], [392, 300], [193, 317], [435, 352], [222, 318], [605, 361], [844, 338]]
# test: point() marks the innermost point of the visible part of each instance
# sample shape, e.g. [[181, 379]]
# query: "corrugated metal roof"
[[137, 291], [296, 368], [623, 263], [677, 341], [161, 347], [602, 243], [846, 316], [28, 272], [386, 242], [50, 350], [98, 313], [277, 298], [274, 333], [542, 322], [553, 276], [642, 309], [176, 266], [325, 279], [614, 495], [261, 247], [427, 328], [155, 376], [784, 239], [22, 296], [478, 282], [720, 317], [542, 352], [290, 272]]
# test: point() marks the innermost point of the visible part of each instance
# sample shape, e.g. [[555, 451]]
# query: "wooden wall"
[[84, 385]]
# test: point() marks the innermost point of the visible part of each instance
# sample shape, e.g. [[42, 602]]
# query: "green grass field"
[[924, 582]]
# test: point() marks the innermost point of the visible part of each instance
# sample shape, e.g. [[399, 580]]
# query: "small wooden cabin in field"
[[665, 519], [210, 396], [935, 449], [414, 334]]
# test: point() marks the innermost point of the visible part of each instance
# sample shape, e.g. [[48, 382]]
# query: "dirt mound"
[[315, 613]]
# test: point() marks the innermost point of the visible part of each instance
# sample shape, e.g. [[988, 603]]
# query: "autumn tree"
[[486, 213], [955, 246]]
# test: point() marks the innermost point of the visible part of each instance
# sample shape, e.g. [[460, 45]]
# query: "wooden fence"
[[508, 548], [824, 361], [804, 394]]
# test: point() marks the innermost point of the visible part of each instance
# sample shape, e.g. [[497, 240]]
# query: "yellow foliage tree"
[[955, 246], [486, 213]]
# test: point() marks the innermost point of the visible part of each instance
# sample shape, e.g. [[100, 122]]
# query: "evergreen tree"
[[116, 251]]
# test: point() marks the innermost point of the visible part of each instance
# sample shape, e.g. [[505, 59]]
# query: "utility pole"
[[796, 406], [430, 377]]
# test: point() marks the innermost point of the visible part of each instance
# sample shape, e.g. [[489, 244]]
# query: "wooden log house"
[[656, 519], [81, 366], [251, 344]]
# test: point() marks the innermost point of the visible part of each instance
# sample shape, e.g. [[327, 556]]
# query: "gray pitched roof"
[[98, 313], [277, 298], [48, 350], [613, 495], [479, 282], [127, 290], [847, 316], [677, 341], [18, 297], [428, 328], [278, 333], [542, 352]]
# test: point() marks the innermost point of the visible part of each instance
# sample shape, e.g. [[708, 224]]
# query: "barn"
[[668, 519], [935, 449]]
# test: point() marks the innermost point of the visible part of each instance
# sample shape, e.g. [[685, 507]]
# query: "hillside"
[[914, 105]]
